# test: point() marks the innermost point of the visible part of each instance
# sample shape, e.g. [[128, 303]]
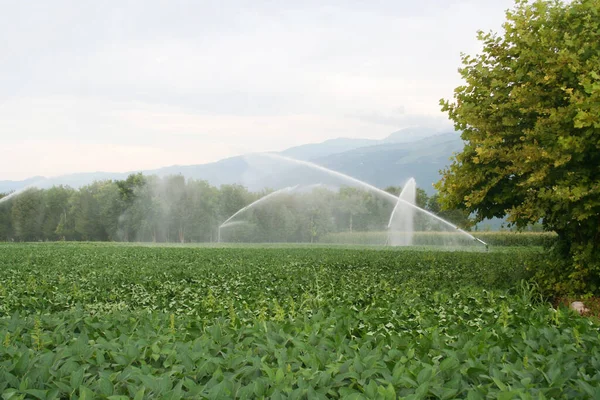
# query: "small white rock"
[[579, 307]]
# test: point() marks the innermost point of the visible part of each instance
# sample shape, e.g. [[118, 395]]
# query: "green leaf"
[[53, 394], [38, 394], [76, 378], [105, 387], [387, 393], [371, 389], [500, 384], [259, 388], [23, 363], [425, 375], [279, 375], [510, 395], [449, 364], [591, 391], [66, 389], [553, 374], [10, 394], [423, 389], [139, 395], [474, 395], [85, 393]]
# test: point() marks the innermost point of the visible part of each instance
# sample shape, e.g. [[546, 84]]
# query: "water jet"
[[405, 214]]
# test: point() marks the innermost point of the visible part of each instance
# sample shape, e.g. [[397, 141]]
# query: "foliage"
[[27, 214], [83, 320], [6, 228], [457, 216], [529, 112], [171, 209]]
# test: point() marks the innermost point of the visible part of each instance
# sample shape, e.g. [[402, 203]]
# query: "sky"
[[128, 85]]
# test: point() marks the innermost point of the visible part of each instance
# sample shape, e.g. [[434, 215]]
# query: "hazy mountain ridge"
[[7, 186], [392, 164], [332, 146], [414, 152], [314, 151]]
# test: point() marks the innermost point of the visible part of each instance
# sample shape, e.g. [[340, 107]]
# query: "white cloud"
[[190, 82], [100, 136]]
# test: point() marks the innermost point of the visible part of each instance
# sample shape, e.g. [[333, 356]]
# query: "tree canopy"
[[173, 209], [529, 112]]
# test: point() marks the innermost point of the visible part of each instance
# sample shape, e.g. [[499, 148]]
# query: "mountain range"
[[414, 152]]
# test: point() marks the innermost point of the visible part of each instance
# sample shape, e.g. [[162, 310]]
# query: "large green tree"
[[27, 215], [132, 219], [204, 211], [529, 112], [5, 218], [56, 200]]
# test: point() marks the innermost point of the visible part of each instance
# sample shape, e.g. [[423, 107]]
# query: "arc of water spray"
[[372, 188], [10, 196], [241, 210], [233, 223], [22, 190], [410, 181]]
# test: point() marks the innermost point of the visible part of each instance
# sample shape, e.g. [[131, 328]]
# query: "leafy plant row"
[[100, 321]]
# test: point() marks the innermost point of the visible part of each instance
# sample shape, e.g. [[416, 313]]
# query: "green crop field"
[[124, 321]]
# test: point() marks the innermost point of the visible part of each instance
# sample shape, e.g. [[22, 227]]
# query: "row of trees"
[[173, 209], [138, 208]]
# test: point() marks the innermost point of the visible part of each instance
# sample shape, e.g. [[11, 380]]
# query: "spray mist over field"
[[314, 205]]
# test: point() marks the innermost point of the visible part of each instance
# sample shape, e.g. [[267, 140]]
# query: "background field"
[[102, 320]]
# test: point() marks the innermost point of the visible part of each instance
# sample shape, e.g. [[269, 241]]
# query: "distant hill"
[[314, 151], [333, 146], [414, 152], [9, 186], [382, 165], [394, 163], [408, 135], [73, 180]]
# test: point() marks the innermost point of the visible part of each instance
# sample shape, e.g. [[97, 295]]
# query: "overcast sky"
[[126, 85]]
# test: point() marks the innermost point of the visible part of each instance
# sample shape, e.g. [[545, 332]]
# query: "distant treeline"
[[173, 209]]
